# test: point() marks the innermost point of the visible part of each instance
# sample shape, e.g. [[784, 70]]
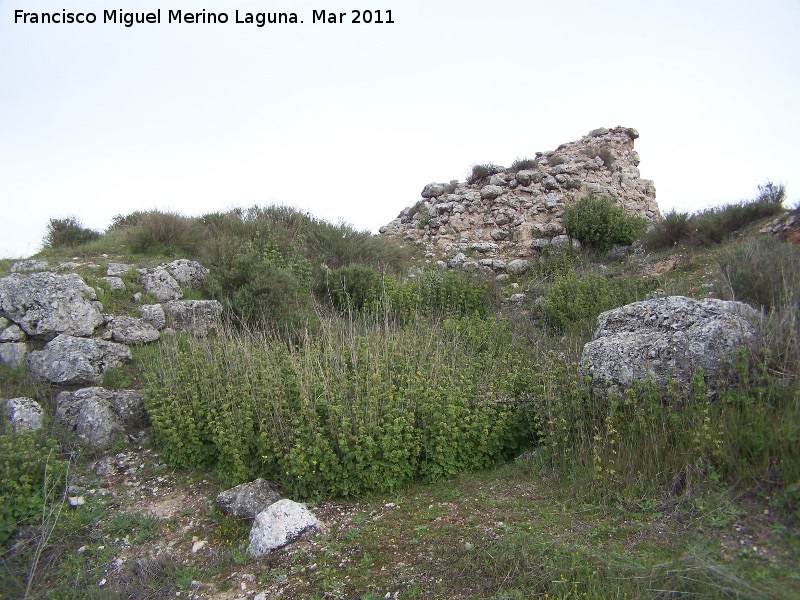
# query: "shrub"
[[68, 233], [361, 408], [353, 287], [574, 301], [163, 233], [522, 164], [673, 229], [764, 272], [556, 160], [483, 171], [30, 477], [604, 152], [598, 223]]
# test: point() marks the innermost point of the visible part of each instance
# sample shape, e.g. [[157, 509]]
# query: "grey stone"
[[498, 180], [432, 190], [189, 274], [457, 260], [525, 177], [598, 132], [196, 317], [518, 266], [45, 305], [245, 501], [98, 415], [154, 314], [25, 414], [12, 354], [517, 299], [161, 284], [117, 269], [490, 192], [26, 266], [114, 283], [499, 235], [483, 247], [130, 330], [68, 360], [495, 264], [552, 200], [550, 183], [667, 339], [278, 525], [540, 243], [12, 333]]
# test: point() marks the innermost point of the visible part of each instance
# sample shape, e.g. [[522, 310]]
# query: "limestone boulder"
[[280, 524], [25, 414], [189, 274], [160, 283], [117, 269], [196, 317], [13, 354], [667, 339], [154, 314], [247, 500], [98, 415], [45, 305], [130, 330], [69, 360]]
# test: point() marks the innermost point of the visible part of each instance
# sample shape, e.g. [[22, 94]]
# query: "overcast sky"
[[350, 121]]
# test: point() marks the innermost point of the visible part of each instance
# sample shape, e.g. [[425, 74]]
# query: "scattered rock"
[[26, 266], [45, 305], [196, 317], [130, 330], [25, 414], [667, 339], [154, 314], [68, 360], [280, 524], [114, 283], [245, 501], [117, 269], [160, 283], [97, 415], [189, 274]]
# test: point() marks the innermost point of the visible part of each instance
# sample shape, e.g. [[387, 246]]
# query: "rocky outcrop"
[[97, 415], [666, 339], [245, 501], [25, 414], [68, 360], [160, 283], [278, 525], [513, 213], [133, 331], [45, 305], [785, 227], [196, 317], [189, 274]]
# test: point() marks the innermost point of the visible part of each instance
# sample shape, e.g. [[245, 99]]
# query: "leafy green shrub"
[[604, 152], [438, 293], [764, 272], [599, 223], [360, 408], [68, 233], [163, 233], [673, 229], [353, 287], [30, 478], [574, 301]]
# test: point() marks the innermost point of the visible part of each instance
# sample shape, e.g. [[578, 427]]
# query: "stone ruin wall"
[[508, 215]]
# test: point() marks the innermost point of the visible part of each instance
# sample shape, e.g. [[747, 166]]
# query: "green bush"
[[599, 223], [573, 301], [31, 476], [162, 233], [522, 164], [360, 408], [673, 229], [483, 171], [764, 272], [353, 287], [603, 152], [68, 233]]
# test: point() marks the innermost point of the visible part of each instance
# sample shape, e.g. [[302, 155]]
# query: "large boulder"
[[196, 317], [160, 283], [45, 305], [130, 330], [666, 339], [245, 501], [25, 414], [280, 524], [189, 274], [98, 415], [68, 360], [154, 314]]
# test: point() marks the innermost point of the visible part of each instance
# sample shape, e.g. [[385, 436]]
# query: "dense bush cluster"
[[714, 225], [358, 408], [599, 223], [68, 233]]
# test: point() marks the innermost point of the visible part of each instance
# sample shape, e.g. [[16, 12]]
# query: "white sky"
[[351, 121]]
